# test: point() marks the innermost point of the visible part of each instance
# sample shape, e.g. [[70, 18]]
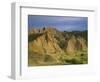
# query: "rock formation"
[[49, 46]]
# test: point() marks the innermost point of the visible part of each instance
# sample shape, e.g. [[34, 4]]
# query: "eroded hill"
[[48, 46]]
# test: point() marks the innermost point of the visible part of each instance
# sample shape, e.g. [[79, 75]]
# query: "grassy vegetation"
[[32, 37], [39, 59], [78, 58]]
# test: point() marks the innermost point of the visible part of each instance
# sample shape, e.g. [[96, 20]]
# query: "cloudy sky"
[[62, 23]]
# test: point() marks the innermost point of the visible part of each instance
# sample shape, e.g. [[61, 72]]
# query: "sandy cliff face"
[[75, 44], [45, 43], [49, 46]]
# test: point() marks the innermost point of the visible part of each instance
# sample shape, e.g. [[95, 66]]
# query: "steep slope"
[[48, 46], [75, 44]]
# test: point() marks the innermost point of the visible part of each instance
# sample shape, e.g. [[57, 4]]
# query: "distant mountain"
[[48, 46]]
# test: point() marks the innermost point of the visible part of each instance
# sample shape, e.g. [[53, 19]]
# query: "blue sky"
[[62, 23]]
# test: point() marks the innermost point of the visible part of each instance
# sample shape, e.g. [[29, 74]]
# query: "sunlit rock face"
[[48, 46]]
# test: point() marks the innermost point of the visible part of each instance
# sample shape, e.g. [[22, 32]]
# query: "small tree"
[[43, 28]]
